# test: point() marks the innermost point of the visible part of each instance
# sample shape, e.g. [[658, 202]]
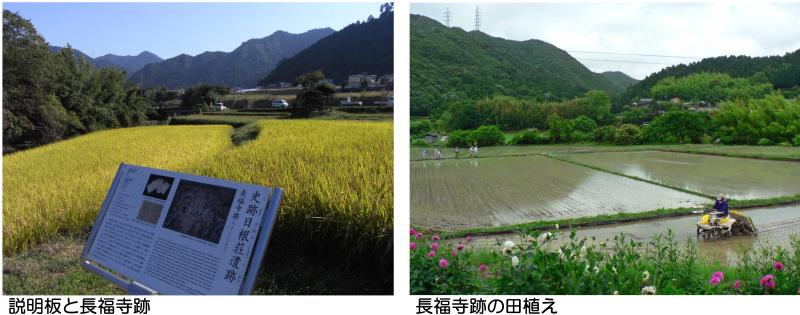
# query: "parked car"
[[349, 102], [218, 107], [280, 103]]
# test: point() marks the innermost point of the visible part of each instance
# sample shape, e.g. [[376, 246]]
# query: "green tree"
[[314, 95]]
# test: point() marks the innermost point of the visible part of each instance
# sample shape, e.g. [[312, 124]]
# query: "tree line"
[[48, 96], [747, 111]]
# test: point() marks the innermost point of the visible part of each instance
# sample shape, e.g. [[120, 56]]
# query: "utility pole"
[[477, 18], [447, 17]]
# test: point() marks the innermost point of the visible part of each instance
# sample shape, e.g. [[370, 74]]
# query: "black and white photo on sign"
[[200, 210], [158, 186], [149, 211]]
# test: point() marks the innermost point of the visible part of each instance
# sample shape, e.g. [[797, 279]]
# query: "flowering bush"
[[589, 266]]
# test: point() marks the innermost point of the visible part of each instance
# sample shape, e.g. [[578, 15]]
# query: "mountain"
[[451, 62], [782, 71], [130, 64], [250, 61], [619, 79], [362, 47], [80, 54]]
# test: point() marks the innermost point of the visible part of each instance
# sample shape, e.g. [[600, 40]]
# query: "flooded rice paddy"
[[775, 226], [453, 194], [739, 178]]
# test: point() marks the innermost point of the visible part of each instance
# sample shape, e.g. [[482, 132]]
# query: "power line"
[[630, 54], [626, 61]]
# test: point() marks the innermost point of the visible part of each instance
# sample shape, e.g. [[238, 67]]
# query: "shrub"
[[530, 137], [796, 141], [764, 141], [488, 136], [627, 134], [584, 124], [605, 134], [460, 138]]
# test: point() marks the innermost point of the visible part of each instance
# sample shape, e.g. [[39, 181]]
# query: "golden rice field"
[[58, 188], [337, 177]]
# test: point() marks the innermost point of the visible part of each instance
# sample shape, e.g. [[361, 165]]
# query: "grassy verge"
[[245, 133], [54, 268]]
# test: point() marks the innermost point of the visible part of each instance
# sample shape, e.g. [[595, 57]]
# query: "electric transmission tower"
[[477, 18], [447, 17]]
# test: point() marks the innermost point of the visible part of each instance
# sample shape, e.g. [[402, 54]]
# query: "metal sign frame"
[[136, 288]]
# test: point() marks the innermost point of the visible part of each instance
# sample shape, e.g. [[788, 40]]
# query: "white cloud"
[[695, 30]]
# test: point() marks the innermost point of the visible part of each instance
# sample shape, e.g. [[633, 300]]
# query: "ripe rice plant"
[[338, 178], [58, 188]]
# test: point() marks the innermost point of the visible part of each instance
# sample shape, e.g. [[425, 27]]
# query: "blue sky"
[[170, 29]]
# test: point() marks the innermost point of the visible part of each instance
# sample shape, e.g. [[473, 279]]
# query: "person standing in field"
[[437, 154], [457, 151], [424, 154], [476, 149]]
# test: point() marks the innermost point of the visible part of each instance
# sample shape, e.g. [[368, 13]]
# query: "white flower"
[[515, 261], [615, 292], [596, 270], [556, 226], [508, 246], [546, 236], [586, 269], [649, 290], [645, 275]]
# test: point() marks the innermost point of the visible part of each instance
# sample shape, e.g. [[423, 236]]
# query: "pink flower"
[[435, 238], [737, 284], [483, 267], [767, 281], [469, 238], [460, 246], [443, 263], [719, 275], [435, 246], [413, 232], [413, 245], [419, 235], [431, 254], [454, 253], [715, 280], [778, 265]]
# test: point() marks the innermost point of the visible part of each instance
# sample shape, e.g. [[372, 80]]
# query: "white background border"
[[402, 302]]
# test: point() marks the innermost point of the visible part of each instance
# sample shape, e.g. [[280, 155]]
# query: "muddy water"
[[451, 194], [739, 178], [775, 225]]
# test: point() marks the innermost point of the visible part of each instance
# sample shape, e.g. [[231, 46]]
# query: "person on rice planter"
[[721, 205]]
